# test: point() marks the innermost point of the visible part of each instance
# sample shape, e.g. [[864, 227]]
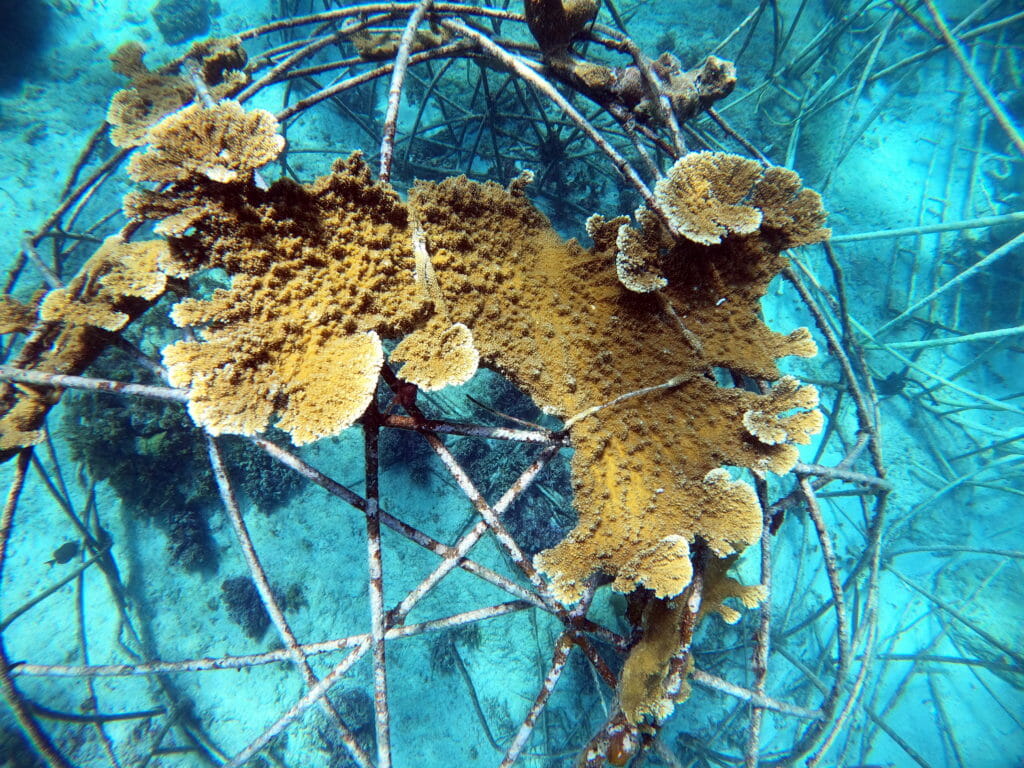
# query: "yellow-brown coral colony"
[[709, 195], [223, 143], [113, 287], [152, 95], [118, 271], [620, 340], [15, 317], [438, 355], [317, 271]]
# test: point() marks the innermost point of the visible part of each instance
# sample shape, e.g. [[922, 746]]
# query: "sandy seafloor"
[[47, 118]]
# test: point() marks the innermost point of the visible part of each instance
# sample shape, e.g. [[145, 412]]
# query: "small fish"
[[64, 553]]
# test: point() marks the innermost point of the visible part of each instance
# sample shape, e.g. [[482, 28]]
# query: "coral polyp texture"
[[437, 356], [223, 143], [117, 272], [467, 272], [653, 678], [317, 273], [709, 195], [15, 316], [555, 319]]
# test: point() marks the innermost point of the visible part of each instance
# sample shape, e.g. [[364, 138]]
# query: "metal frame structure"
[[829, 691]]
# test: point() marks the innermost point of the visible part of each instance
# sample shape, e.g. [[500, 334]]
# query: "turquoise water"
[[918, 158]]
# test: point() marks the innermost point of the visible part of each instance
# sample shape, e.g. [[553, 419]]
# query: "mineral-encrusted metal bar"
[[538, 436], [846, 475], [519, 559], [315, 694], [49, 276], [394, 9], [839, 726], [305, 51], [562, 647], [21, 711], [387, 143], [375, 572], [43, 379], [325, 93], [269, 657], [34, 601], [461, 549], [707, 680], [413, 534], [1008, 247], [998, 111], [866, 415], [762, 639], [464, 482], [948, 226], [838, 599], [520, 68]]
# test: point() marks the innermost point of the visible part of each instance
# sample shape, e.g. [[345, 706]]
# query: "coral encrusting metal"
[[708, 197], [317, 272], [469, 273], [320, 272], [15, 316], [117, 283], [117, 272], [151, 95], [653, 678], [554, 318]]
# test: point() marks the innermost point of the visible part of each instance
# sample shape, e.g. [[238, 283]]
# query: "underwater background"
[[905, 116]]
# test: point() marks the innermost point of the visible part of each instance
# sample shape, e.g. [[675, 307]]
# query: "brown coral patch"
[[638, 260], [383, 45], [329, 387], [651, 684], [555, 319], [554, 23], [642, 684], [319, 387], [663, 566], [791, 214], [221, 63], [15, 317], [719, 587], [115, 285], [708, 196], [151, 95], [313, 267], [604, 231], [702, 196], [438, 355], [694, 90], [317, 273], [787, 415], [224, 143], [743, 213], [116, 273]]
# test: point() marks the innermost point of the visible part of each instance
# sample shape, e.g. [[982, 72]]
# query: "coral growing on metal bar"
[[648, 481], [116, 284], [152, 95], [320, 273]]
